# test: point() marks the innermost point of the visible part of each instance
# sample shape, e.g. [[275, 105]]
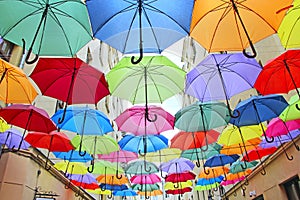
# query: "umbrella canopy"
[[213, 172], [279, 140], [233, 181], [133, 26], [99, 191], [107, 168], [113, 187], [151, 193], [83, 120], [70, 80], [163, 155], [277, 127], [240, 147], [232, 25], [291, 112], [125, 193], [103, 144], [290, 26], [180, 177], [71, 167], [216, 76], [192, 140], [12, 138], [258, 153], [179, 191], [239, 166], [238, 135], [112, 179], [200, 154], [141, 167], [134, 120], [3, 125], [177, 165], [206, 187], [143, 144], [90, 186], [153, 80], [119, 156], [15, 86], [53, 141], [145, 179], [145, 187], [221, 160], [202, 116], [172, 186], [258, 109], [83, 178], [204, 181], [73, 156], [46, 28], [284, 67]]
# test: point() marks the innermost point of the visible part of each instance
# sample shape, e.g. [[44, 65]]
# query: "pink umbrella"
[[145, 179], [135, 120], [119, 156]]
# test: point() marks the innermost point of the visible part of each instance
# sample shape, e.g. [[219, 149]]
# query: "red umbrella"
[[180, 177], [70, 80], [53, 141], [284, 69], [192, 140], [28, 117], [179, 191], [90, 186]]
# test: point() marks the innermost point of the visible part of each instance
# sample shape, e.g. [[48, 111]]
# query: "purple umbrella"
[[12, 138], [216, 77], [177, 165], [83, 178]]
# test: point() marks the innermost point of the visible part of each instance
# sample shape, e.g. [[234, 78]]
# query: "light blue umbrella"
[[73, 156], [125, 193]]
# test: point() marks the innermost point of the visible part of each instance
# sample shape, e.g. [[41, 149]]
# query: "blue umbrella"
[[143, 144], [104, 186], [125, 193], [133, 26], [204, 181], [258, 109], [73, 156]]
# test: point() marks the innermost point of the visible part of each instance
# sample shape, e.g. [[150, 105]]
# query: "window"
[[292, 188], [260, 197], [5, 49]]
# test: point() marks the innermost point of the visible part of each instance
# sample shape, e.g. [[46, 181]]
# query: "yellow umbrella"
[[3, 125], [99, 191], [175, 186], [71, 167], [112, 179], [236, 148], [15, 86], [289, 29], [233, 25], [163, 155], [238, 135]]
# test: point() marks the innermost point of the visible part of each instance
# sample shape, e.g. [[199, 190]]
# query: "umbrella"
[[151, 193], [73, 156], [125, 193], [53, 141], [113, 187], [202, 116], [141, 167], [99, 191], [153, 80], [163, 155], [112, 179], [70, 80], [179, 191], [134, 120], [15, 86], [3, 125], [291, 112], [145, 179], [143, 144], [238, 148], [284, 67], [139, 26], [71, 167], [206, 187], [90, 186], [232, 25], [49, 28], [177, 165], [236, 167], [119, 156], [216, 76], [83, 178], [82, 120], [289, 27], [107, 168], [172, 186], [258, 109], [12, 138], [145, 187], [180, 177], [204, 181], [213, 172], [28, 117]]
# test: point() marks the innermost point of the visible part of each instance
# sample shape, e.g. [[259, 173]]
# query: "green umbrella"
[[291, 112], [206, 187], [106, 167], [202, 116], [198, 153], [145, 187], [141, 167], [48, 28], [153, 80]]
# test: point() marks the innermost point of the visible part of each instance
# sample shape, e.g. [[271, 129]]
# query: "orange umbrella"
[[151, 193], [213, 172], [112, 179], [238, 175], [238, 148], [15, 86], [233, 25]]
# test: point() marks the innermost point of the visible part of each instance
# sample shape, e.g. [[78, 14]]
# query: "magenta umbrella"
[[134, 120], [145, 179], [119, 156]]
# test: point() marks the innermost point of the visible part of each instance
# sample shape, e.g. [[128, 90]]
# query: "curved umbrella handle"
[[254, 53], [263, 172], [291, 157], [141, 154], [27, 61], [161, 174], [62, 118], [133, 61], [147, 170], [206, 172], [266, 137], [47, 167], [148, 118], [232, 113], [82, 153], [215, 189], [176, 185], [93, 166], [109, 196], [118, 176], [198, 163]]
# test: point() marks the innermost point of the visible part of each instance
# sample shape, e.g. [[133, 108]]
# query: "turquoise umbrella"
[[47, 28]]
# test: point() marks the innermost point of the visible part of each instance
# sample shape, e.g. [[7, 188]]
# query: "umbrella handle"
[[77, 194], [246, 181], [118, 176], [13, 149], [147, 170], [291, 157], [141, 154], [232, 114], [215, 189], [254, 53], [176, 185], [47, 167], [27, 61], [244, 165], [93, 166], [151, 120], [81, 153], [109, 196], [206, 172], [138, 60], [263, 172], [161, 174], [198, 163], [62, 118]]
